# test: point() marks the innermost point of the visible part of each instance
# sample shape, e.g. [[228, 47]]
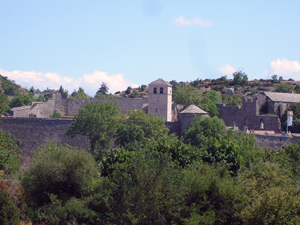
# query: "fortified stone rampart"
[[34, 132], [248, 116], [72, 105]]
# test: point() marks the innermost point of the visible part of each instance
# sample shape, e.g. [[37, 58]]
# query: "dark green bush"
[[9, 213]]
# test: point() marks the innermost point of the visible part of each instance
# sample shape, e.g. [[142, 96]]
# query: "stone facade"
[[248, 116], [160, 99]]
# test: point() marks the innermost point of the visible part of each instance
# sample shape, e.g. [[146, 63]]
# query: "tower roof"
[[160, 82], [194, 109]]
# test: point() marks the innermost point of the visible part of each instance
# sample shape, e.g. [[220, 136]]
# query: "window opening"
[[154, 90], [161, 90]]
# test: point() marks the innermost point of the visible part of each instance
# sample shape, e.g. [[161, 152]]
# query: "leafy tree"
[[97, 120], [202, 129], [79, 94], [139, 126], [239, 78], [9, 153], [212, 196], [61, 172], [150, 191], [103, 89], [128, 90], [21, 100], [214, 96], [274, 79], [187, 95], [9, 213], [143, 87], [3, 103], [286, 88], [63, 91], [56, 183], [231, 100]]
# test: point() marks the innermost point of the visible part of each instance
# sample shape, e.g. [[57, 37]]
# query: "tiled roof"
[[194, 109], [160, 82], [283, 97]]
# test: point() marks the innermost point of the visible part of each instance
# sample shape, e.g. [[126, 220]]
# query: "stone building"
[[160, 99]]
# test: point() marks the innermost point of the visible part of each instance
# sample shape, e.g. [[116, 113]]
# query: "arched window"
[[154, 90], [161, 90]]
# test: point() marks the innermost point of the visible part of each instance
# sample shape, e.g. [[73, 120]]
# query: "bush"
[[9, 213], [55, 115], [62, 171], [9, 153]]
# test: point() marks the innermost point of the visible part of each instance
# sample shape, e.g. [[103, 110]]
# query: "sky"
[[79, 43]]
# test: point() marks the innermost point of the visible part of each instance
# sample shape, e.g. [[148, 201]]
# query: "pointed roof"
[[160, 82], [194, 109]]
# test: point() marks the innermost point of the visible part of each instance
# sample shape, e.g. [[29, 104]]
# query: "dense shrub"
[[9, 213]]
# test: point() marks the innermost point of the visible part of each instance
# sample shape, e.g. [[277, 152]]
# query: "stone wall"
[[248, 116], [275, 142], [34, 132]]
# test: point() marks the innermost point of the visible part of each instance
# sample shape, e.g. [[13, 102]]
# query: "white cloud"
[[181, 21], [227, 69], [89, 82], [282, 67]]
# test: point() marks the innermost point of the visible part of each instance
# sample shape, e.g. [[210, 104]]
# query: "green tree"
[[214, 96], [139, 126], [9, 153], [21, 100], [286, 88], [57, 171], [9, 213], [97, 120], [239, 78], [187, 95], [3, 103], [103, 89], [57, 182], [79, 94], [202, 129], [231, 100]]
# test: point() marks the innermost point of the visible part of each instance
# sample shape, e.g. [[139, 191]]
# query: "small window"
[[156, 110], [161, 90], [154, 91]]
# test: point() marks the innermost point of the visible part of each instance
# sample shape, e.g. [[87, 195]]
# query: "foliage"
[[9, 153], [187, 95], [97, 120], [101, 95], [79, 94], [143, 88], [3, 103], [285, 87], [8, 86], [63, 91], [239, 78], [128, 90], [149, 192], [214, 96], [212, 196], [202, 129], [55, 115], [231, 100], [274, 79], [103, 89], [224, 151], [59, 172], [21, 100], [139, 126], [9, 213]]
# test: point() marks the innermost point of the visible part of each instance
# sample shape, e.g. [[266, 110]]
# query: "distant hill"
[[10, 88]]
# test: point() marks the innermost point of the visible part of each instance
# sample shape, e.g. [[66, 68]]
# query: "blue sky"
[[130, 43]]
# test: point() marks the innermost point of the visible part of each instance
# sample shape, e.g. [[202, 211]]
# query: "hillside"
[[10, 88]]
